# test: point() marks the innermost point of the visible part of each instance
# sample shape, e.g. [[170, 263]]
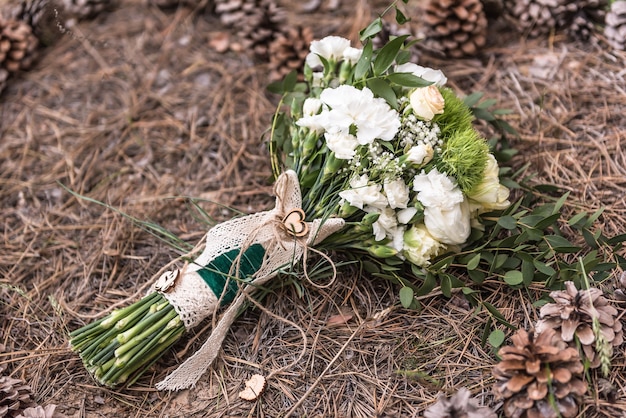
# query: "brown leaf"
[[344, 315]]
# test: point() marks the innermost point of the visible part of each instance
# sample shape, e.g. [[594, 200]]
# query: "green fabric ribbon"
[[216, 273]]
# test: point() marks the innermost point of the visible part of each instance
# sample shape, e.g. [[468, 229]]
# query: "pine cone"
[[615, 29], [256, 22], [86, 9], [458, 406], [39, 412], [573, 313], [540, 17], [18, 46], [43, 16], [535, 368], [456, 27], [288, 51], [13, 394], [4, 75]]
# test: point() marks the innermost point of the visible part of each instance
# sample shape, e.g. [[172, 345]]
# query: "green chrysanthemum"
[[465, 153]]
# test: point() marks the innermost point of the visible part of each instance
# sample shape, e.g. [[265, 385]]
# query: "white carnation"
[[341, 143], [428, 74], [329, 48], [397, 193], [446, 212], [362, 194]]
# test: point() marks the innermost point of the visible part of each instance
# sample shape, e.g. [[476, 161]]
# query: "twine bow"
[[284, 245]]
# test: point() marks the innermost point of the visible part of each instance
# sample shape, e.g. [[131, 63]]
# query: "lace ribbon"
[[194, 300]]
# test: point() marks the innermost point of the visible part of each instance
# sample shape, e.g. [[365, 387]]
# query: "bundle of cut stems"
[[120, 347]]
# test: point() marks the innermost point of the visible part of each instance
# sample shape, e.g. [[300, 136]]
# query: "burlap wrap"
[[194, 300]]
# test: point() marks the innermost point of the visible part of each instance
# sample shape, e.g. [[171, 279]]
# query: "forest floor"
[[135, 109]]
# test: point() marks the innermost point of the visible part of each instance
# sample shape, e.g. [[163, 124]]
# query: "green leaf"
[[544, 268], [560, 244], [507, 222], [373, 28], [387, 54], [363, 65], [446, 286], [496, 338], [594, 217], [382, 89], [477, 276], [406, 297], [473, 98], [528, 272], [429, 284], [576, 218], [473, 262], [487, 104], [401, 19], [548, 221], [483, 114], [408, 80], [370, 267], [513, 277], [559, 203], [497, 314]]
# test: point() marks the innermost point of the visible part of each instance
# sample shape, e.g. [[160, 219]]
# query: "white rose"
[[330, 48], [397, 193], [449, 226], [490, 194], [427, 102], [420, 154], [428, 74], [420, 247], [341, 143]]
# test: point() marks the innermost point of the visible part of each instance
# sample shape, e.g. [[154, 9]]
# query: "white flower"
[[450, 226], [436, 189], [372, 116], [341, 143], [420, 154], [385, 225], [352, 55], [397, 193], [420, 247], [427, 102], [347, 107], [329, 48], [311, 106], [446, 212], [428, 74], [490, 194], [405, 215], [362, 194], [318, 79]]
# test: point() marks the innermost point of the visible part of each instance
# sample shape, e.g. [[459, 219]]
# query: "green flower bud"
[[370, 218], [382, 251]]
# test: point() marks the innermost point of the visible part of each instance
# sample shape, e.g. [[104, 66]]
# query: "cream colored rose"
[[490, 194], [420, 154], [427, 102], [420, 247]]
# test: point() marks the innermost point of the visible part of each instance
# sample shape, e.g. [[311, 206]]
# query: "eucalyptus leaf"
[[406, 297], [496, 338]]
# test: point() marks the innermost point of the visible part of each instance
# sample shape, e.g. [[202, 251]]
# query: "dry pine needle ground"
[[139, 113]]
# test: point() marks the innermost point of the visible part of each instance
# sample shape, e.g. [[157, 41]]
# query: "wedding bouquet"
[[373, 155], [384, 145]]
